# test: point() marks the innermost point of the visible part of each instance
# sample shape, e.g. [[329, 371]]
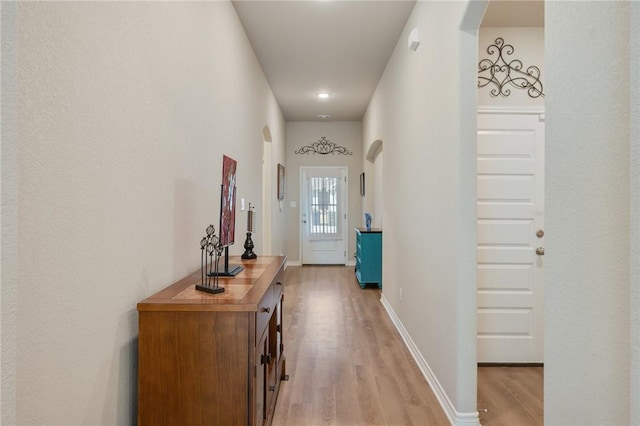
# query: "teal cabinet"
[[369, 256]]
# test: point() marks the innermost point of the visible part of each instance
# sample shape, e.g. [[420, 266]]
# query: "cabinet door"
[[272, 357], [371, 258], [358, 251], [280, 342], [262, 363]]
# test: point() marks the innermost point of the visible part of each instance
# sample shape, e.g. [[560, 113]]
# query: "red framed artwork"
[[228, 202]]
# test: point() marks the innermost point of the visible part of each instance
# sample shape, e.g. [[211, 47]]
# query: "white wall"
[[528, 47], [302, 133], [424, 112], [122, 115], [8, 248], [588, 361], [634, 79], [378, 191], [373, 200]]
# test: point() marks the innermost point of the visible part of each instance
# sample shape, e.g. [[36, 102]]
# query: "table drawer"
[[278, 287], [265, 310]]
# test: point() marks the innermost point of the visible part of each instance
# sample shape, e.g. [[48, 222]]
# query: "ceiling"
[[514, 13], [339, 47]]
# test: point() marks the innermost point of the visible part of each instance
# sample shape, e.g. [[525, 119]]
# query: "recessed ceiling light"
[[323, 95]]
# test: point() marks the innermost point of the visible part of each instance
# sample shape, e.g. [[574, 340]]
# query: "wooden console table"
[[213, 359]]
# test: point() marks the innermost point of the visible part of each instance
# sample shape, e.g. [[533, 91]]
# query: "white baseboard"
[[456, 418], [297, 263], [291, 263]]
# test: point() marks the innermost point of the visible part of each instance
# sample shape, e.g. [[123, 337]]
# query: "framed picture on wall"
[[362, 184], [280, 182]]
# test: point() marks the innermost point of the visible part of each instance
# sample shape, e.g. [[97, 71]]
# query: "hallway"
[[346, 362], [349, 366]]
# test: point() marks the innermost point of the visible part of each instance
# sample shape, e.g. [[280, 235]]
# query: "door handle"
[[540, 251], [304, 221]]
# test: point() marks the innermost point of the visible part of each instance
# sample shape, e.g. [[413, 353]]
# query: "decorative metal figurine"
[[210, 248], [502, 74], [324, 147]]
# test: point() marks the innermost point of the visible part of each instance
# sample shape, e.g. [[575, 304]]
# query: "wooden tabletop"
[[242, 292]]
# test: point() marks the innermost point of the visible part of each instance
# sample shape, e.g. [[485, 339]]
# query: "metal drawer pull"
[[265, 359]]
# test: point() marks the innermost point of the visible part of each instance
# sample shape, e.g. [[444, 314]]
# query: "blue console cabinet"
[[369, 256]]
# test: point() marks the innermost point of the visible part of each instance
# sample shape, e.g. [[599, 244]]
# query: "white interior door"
[[323, 215], [510, 237]]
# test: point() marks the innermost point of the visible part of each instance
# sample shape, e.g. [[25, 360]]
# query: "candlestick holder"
[[248, 244]]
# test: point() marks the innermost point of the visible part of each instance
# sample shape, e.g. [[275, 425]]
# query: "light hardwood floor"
[[510, 396], [349, 366]]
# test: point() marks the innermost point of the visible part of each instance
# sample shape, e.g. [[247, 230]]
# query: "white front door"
[[323, 215], [510, 237]]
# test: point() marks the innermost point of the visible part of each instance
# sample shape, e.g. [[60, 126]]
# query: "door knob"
[[540, 251], [540, 233]]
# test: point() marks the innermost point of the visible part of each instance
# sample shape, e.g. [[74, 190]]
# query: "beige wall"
[[424, 111], [591, 301], [634, 80], [373, 200], [121, 116], [376, 184], [301, 133]]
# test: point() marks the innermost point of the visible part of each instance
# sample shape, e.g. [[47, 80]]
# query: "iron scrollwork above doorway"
[[503, 74], [323, 146]]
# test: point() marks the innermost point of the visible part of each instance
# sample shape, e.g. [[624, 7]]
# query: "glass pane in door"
[[323, 196]]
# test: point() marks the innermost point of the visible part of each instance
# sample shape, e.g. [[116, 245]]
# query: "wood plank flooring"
[[510, 396], [347, 363]]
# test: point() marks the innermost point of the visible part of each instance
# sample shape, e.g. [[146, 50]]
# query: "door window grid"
[[324, 205]]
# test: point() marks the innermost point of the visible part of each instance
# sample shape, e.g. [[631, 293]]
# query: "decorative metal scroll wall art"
[[323, 147], [505, 74]]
